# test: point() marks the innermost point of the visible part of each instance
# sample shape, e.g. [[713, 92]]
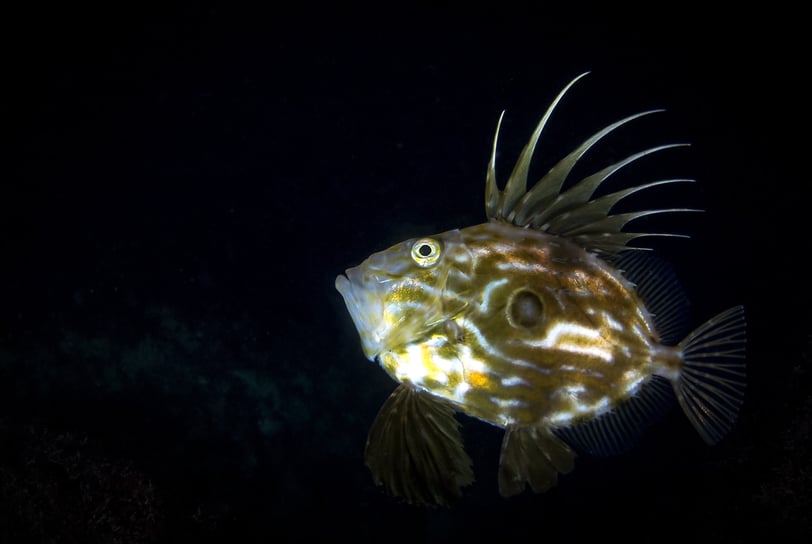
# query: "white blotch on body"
[[510, 381], [488, 291]]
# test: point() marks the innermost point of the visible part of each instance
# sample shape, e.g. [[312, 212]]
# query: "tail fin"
[[712, 382]]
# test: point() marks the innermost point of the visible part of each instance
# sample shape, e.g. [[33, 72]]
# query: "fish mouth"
[[365, 309]]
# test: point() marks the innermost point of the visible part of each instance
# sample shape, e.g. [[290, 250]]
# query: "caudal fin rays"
[[712, 382]]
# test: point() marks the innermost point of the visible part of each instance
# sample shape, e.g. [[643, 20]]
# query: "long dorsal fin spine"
[[613, 223], [581, 192], [549, 186], [573, 213], [516, 186], [594, 210], [492, 193]]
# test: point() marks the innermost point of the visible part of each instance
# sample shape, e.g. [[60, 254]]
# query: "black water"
[[181, 186]]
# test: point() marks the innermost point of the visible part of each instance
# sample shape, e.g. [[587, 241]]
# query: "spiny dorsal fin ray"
[[614, 223], [549, 186], [492, 192], [581, 192], [516, 186], [610, 244], [570, 213], [591, 211]]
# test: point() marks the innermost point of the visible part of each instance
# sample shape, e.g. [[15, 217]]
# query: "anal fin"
[[534, 456], [617, 431]]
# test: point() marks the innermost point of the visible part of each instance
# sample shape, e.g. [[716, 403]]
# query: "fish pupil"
[[424, 250], [525, 309]]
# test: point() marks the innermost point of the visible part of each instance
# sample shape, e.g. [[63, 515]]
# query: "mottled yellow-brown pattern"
[[525, 322], [586, 346]]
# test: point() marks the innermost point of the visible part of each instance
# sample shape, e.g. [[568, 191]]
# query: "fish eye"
[[426, 252]]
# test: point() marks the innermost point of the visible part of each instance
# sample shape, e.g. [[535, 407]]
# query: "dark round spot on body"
[[526, 309]]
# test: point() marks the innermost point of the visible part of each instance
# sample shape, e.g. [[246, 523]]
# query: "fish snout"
[[363, 296]]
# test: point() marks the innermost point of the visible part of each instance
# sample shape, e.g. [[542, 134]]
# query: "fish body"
[[540, 321]]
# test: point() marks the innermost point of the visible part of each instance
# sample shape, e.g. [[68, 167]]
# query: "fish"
[[548, 320]]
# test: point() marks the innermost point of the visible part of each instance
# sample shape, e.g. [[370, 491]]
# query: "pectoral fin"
[[414, 449], [532, 455]]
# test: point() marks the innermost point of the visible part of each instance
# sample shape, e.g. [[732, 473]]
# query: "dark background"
[[181, 185]]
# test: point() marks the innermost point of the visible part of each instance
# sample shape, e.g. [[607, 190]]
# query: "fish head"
[[398, 296]]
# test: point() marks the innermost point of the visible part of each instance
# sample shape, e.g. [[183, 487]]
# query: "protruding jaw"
[[363, 298]]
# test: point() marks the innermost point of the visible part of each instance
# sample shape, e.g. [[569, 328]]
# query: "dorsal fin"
[[657, 285], [572, 213]]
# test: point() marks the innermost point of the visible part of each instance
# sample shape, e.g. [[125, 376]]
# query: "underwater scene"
[[283, 276]]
